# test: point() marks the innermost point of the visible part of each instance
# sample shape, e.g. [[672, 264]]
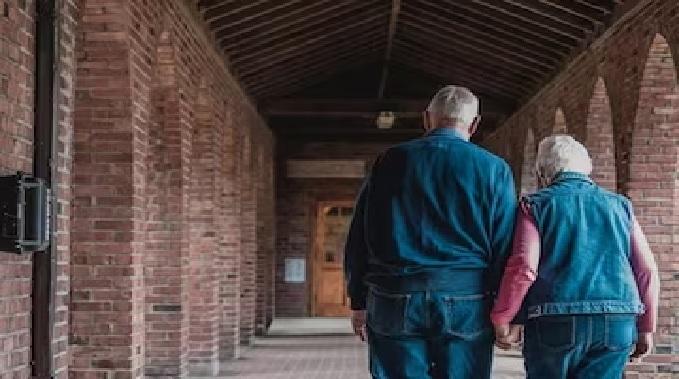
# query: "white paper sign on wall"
[[295, 270]]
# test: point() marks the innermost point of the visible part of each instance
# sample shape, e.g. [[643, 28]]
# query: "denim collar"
[[447, 132], [570, 176]]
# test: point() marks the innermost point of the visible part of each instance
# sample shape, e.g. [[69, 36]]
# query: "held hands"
[[358, 322], [644, 345], [508, 336]]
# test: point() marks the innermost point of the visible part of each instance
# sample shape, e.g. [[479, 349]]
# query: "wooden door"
[[330, 297]]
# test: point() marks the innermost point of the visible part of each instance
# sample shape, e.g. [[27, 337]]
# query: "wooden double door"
[[329, 289]]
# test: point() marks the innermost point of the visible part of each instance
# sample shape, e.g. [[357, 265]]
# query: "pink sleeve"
[[646, 276], [521, 270]]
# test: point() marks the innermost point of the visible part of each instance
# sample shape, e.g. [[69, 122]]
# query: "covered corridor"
[[203, 157]]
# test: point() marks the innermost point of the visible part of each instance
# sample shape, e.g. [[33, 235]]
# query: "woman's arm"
[[521, 270], [646, 276]]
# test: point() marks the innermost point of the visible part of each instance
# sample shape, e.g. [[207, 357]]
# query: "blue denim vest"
[[585, 248]]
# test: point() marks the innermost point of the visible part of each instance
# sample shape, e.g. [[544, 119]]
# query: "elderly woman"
[[581, 275]]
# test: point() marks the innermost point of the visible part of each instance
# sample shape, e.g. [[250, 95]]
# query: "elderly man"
[[583, 271], [427, 245]]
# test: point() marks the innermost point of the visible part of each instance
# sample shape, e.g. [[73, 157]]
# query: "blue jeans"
[[429, 334], [579, 346]]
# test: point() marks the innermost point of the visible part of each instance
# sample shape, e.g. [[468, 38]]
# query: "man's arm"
[[356, 252], [504, 217]]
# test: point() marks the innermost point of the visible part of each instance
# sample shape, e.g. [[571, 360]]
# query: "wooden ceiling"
[[503, 50]]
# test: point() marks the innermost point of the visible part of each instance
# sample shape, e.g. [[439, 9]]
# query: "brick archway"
[[599, 137], [560, 126], [653, 184]]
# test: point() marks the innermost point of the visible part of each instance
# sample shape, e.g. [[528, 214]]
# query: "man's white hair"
[[559, 153], [454, 103]]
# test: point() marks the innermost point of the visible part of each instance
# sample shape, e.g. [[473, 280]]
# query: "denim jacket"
[[436, 213], [585, 250]]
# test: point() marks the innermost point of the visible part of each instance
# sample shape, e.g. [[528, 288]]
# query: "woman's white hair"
[[454, 103], [559, 153]]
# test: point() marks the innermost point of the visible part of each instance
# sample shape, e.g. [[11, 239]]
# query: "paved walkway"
[[296, 349]]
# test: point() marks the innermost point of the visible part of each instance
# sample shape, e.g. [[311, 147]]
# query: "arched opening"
[[599, 137], [653, 181], [529, 181], [560, 126]]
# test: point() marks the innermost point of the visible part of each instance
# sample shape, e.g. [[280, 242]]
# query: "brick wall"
[[248, 229], [620, 98], [16, 152], [163, 145], [166, 266], [266, 218], [295, 209], [230, 284]]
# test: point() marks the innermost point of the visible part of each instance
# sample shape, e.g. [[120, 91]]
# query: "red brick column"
[[230, 254], [265, 235], [599, 141], [248, 240], [109, 175], [270, 203], [654, 188], [205, 195], [166, 255]]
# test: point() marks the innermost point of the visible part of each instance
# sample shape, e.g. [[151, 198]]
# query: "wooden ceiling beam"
[[227, 9], [309, 61], [556, 14], [592, 15], [407, 108], [467, 60], [417, 32], [352, 133], [321, 29], [476, 80], [454, 34], [446, 65], [479, 82], [575, 35], [393, 20], [230, 32], [290, 73], [496, 29], [296, 44], [335, 13], [254, 16], [478, 33], [374, 37], [307, 78], [205, 5], [464, 9], [432, 81], [606, 7]]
